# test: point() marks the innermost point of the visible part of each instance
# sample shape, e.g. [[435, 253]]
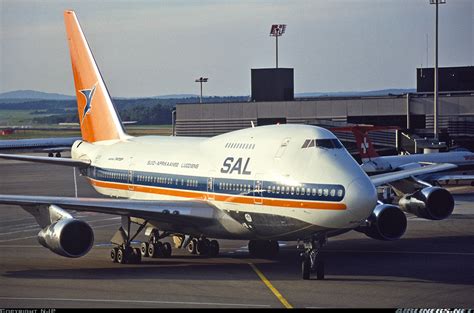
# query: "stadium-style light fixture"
[[201, 80], [276, 31]]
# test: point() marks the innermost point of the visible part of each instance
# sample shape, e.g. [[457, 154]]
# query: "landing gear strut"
[[124, 253], [312, 261]]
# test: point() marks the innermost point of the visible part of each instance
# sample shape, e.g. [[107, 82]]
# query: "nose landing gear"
[[312, 261]]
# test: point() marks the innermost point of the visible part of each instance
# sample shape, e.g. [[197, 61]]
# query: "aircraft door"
[[210, 186], [131, 180], [258, 189]]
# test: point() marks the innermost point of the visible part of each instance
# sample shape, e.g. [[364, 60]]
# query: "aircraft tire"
[[121, 256], [135, 256], [113, 255], [214, 248], [166, 250], [192, 246], [203, 246], [155, 250], [144, 249]]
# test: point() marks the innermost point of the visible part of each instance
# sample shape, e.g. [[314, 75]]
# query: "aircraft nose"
[[361, 198]]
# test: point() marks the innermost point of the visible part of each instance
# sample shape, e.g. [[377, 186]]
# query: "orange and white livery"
[[262, 184]]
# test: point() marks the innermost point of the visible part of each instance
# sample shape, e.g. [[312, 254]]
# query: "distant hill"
[[383, 92], [178, 96], [33, 94], [28, 95]]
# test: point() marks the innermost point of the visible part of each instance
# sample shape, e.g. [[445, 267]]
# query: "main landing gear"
[[203, 246], [154, 248], [312, 261], [124, 253]]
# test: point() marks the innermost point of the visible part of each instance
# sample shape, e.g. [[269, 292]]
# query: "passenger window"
[[313, 192], [333, 192], [297, 191], [320, 192], [278, 189], [292, 190], [326, 192]]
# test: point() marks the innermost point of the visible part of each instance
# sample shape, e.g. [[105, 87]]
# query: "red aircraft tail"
[[363, 142]]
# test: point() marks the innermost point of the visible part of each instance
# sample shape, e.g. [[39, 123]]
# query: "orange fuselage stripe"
[[222, 198]]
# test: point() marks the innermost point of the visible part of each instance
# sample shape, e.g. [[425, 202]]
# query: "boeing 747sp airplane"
[[262, 184]]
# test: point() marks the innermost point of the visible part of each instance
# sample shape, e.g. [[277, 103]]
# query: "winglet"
[[98, 116]]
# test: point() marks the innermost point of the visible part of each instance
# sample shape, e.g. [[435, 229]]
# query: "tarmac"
[[432, 266]]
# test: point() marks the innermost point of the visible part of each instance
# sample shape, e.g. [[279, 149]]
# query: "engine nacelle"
[[68, 237], [433, 203], [387, 222]]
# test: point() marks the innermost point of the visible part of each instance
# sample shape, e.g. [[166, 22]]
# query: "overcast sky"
[[148, 48]]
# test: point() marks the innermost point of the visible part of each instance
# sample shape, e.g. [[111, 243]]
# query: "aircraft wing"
[[49, 160], [439, 177], [180, 214], [56, 144], [386, 178]]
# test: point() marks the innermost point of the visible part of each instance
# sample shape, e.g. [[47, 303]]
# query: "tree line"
[[146, 111]]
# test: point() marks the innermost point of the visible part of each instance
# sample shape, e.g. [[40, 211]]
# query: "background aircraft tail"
[[98, 116], [363, 142]]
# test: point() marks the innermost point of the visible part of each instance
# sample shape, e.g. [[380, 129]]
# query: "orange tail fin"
[[98, 116]]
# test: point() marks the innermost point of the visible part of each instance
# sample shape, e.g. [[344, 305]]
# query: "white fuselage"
[[390, 163], [260, 177]]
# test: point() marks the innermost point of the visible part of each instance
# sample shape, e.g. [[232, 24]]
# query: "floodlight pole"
[[277, 30], [201, 80], [436, 85], [276, 38]]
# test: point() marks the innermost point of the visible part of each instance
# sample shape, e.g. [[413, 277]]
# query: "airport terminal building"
[[272, 102]]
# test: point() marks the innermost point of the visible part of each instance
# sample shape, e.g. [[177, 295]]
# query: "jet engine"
[[387, 222], [433, 203], [68, 237]]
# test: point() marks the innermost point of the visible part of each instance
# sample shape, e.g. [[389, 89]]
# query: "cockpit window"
[[328, 143], [322, 143]]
